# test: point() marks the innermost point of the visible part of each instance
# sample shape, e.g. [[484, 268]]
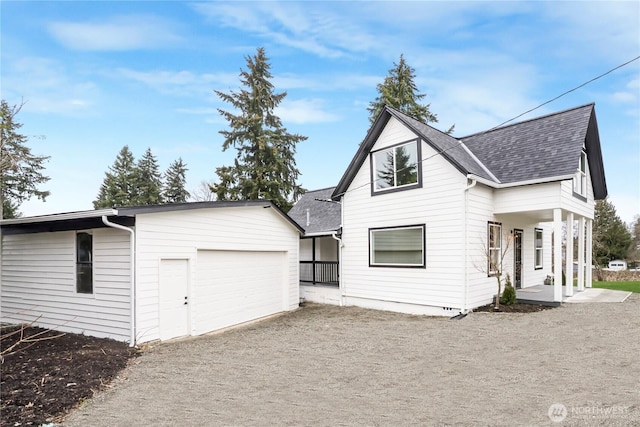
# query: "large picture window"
[[494, 247], [396, 167], [84, 263], [580, 179], [397, 247], [538, 248]]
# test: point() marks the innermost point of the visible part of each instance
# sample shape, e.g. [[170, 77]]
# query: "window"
[[494, 246], [538, 248], [396, 167], [580, 179], [397, 247], [84, 263]]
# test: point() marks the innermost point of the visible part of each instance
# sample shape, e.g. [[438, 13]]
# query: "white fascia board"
[[61, 216], [519, 183]]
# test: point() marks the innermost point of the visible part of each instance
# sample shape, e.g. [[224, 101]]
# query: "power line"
[[510, 120]]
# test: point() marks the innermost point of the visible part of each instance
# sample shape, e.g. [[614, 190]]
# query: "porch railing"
[[319, 272]]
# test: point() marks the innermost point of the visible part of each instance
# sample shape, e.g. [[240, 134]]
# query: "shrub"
[[509, 293]]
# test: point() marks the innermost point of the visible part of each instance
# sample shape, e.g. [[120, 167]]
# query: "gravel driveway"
[[325, 365]]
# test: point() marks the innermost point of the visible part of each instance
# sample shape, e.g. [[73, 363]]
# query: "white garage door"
[[237, 286]]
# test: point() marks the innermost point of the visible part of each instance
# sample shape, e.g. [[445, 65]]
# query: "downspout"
[[334, 236], [132, 257], [466, 241]]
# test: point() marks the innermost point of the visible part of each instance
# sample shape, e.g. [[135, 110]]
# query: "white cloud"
[[47, 87], [304, 111], [310, 27], [182, 83], [115, 34]]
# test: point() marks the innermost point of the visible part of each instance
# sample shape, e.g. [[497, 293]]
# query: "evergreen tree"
[[611, 239], [147, 188], [175, 181], [398, 90], [20, 170], [264, 167], [118, 189]]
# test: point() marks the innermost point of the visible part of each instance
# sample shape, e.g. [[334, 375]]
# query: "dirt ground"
[[325, 365], [44, 374]]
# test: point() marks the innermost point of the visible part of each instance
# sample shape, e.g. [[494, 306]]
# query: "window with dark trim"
[[538, 248], [397, 246], [84, 263], [580, 178], [396, 167], [494, 247]]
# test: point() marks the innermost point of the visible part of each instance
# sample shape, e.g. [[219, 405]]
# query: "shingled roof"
[[542, 149], [323, 214]]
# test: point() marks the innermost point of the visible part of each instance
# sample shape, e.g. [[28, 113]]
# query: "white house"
[[138, 274], [422, 211]]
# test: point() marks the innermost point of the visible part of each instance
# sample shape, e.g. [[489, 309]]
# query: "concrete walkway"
[[542, 293]]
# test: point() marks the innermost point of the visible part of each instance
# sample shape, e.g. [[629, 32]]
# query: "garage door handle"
[[185, 301]]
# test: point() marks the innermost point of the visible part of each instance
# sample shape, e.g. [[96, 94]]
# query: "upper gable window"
[[580, 178], [396, 167]]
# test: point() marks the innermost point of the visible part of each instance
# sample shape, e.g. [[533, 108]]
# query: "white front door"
[[174, 303]]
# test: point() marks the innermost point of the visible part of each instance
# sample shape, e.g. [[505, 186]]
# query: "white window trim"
[[538, 248], [580, 178], [400, 265], [490, 249]]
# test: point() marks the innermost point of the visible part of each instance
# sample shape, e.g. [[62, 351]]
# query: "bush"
[[509, 293]]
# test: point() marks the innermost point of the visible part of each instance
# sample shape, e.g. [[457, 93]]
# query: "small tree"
[[117, 189], [174, 183], [494, 254], [20, 170], [147, 185], [264, 167], [398, 90]]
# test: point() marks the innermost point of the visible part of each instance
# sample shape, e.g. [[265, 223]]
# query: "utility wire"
[[510, 120]]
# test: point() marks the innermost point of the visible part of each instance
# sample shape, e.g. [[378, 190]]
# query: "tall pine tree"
[[264, 167], [147, 186], [21, 172], [174, 183], [118, 187], [398, 90]]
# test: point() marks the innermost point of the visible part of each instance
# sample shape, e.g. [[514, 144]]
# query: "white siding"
[[39, 283], [536, 197], [181, 234], [438, 205]]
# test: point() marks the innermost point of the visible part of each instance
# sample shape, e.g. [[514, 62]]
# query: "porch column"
[[581, 254], [568, 266], [589, 276], [557, 255]]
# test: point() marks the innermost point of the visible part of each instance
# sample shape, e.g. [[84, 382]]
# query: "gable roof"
[[323, 213], [81, 220], [542, 149], [545, 147]]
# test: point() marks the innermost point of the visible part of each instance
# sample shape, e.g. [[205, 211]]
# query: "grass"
[[633, 286]]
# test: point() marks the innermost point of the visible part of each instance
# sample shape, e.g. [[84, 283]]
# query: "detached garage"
[[139, 274]]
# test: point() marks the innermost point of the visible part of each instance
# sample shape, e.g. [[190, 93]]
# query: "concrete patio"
[[543, 294]]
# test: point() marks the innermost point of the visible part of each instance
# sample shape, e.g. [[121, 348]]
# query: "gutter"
[[132, 257], [492, 184]]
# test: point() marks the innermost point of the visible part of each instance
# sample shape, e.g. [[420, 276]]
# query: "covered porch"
[[319, 263], [570, 248]]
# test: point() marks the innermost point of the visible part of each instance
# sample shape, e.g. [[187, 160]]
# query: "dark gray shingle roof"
[[544, 147], [324, 215], [448, 146]]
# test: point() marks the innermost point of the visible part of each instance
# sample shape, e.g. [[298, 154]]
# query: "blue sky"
[[98, 75]]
